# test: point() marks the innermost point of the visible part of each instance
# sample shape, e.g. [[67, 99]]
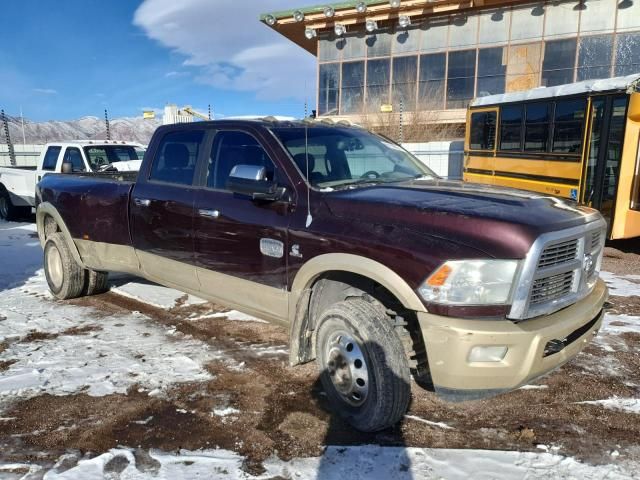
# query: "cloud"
[[229, 47], [46, 91], [176, 74]]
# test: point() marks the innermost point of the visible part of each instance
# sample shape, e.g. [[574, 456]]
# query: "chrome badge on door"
[[271, 248]]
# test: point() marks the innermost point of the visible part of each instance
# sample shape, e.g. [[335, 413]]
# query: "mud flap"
[[300, 346]]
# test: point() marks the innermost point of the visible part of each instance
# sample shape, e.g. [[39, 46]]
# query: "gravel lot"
[[145, 370]]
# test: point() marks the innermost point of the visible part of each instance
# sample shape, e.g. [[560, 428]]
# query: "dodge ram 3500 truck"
[[18, 184], [378, 268]]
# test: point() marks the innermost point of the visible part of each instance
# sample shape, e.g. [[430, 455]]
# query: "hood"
[[501, 222]]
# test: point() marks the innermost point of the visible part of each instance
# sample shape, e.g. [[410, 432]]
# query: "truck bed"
[[93, 205]]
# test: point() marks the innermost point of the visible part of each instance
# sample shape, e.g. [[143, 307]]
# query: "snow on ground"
[[78, 349], [232, 315], [363, 462], [622, 285], [149, 293]]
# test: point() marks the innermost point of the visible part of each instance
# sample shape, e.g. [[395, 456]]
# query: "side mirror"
[[252, 180], [67, 167]]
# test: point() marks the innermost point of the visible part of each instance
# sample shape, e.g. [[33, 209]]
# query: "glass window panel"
[[432, 75], [523, 67], [405, 76], [536, 129], [51, 158], [627, 54], [354, 46], [177, 155], [328, 85], [328, 50], [628, 15], [491, 71], [352, 92], [378, 82], [594, 57], [406, 40], [511, 128], [561, 19], [567, 130], [599, 16], [526, 22], [463, 31], [494, 26], [435, 33], [460, 78], [483, 131], [559, 58], [379, 44]]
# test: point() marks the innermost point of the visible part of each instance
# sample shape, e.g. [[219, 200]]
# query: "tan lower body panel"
[[450, 340], [108, 256]]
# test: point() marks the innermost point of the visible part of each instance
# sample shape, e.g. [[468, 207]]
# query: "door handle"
[[142, 202], [209, 213]]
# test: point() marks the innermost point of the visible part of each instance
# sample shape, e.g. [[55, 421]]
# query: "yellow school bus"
[[579, 141]]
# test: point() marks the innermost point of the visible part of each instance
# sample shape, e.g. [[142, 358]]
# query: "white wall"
[[444, 158], [26, 155]]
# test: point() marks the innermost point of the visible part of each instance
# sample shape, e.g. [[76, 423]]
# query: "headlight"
[[471, 282]]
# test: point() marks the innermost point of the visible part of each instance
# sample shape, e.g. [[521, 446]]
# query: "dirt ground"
[[282, 410]]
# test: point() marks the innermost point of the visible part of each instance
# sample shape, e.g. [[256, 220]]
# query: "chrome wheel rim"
[[347, 368], [54, 267], [4, 208]]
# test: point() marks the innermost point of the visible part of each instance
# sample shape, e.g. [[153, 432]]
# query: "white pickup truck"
[[18, 184]]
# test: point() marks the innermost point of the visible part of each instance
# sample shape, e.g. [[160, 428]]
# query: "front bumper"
[[450, 340]]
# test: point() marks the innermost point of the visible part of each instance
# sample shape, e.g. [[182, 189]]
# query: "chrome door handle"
[[142, 202], [209, 213]]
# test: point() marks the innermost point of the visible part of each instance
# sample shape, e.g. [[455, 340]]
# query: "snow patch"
[[233, 315], [631, 405], [622, 285]]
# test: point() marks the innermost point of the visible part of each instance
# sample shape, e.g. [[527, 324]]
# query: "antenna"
[[306, 156]]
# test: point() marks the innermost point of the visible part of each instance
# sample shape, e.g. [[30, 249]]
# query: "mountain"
[[135, 129]]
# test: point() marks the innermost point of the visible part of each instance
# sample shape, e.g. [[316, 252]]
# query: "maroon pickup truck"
[[379, 269]]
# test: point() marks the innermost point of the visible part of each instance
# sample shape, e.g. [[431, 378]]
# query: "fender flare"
[[42, 211]]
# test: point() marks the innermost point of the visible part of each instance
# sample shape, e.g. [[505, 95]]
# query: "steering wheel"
[[369, 174]]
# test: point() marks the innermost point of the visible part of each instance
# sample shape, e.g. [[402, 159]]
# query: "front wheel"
[[363, 366]]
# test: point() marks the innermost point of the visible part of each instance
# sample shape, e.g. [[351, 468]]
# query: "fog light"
[[492, 353]]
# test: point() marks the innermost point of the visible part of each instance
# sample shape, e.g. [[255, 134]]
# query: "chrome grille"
[[551, 288], [595, 240], [558, 253]]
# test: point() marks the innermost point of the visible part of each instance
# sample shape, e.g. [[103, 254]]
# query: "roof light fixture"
[[404, 21], [394, 3], [298, 16], [339, 29], [371, 26], [310, 33], [361, 7], [271, 20], [329, 11]]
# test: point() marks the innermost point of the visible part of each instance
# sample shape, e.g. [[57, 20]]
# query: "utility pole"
[[106, 122], [12, 153], [24, 138]]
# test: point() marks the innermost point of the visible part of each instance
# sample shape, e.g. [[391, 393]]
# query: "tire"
[[95, 282], [8, 211], [65, 277], [363, 366]]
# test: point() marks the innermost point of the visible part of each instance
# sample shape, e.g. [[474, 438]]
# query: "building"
[[429, 58]]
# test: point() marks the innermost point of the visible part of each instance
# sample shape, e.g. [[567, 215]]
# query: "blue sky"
[[65, 59]]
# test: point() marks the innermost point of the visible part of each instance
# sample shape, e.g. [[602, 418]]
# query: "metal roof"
[[628, 83]]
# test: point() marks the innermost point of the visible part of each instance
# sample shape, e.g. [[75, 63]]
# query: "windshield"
[[347, 156], [104, 155]]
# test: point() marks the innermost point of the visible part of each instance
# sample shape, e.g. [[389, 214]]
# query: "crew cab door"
[[240, 243], [161, 209]]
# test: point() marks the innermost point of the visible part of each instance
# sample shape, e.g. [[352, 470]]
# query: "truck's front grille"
[[551, 288], [558, 253]]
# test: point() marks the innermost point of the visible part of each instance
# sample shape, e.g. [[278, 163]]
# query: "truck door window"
[[176, 157], [51, 158], [74, 157], [231, 149]]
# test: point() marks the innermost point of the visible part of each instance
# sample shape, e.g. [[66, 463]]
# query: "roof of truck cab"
[[627, 83], [269, 121], [99, 143]]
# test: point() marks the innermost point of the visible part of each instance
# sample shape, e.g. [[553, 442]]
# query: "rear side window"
[[483, 131], [51, 158], [176, 157], [235, 148], [74, 157]]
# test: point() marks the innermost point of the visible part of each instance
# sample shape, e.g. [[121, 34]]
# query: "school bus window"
[[567, 129], [483, 131], [511, 128], [536, 134]]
